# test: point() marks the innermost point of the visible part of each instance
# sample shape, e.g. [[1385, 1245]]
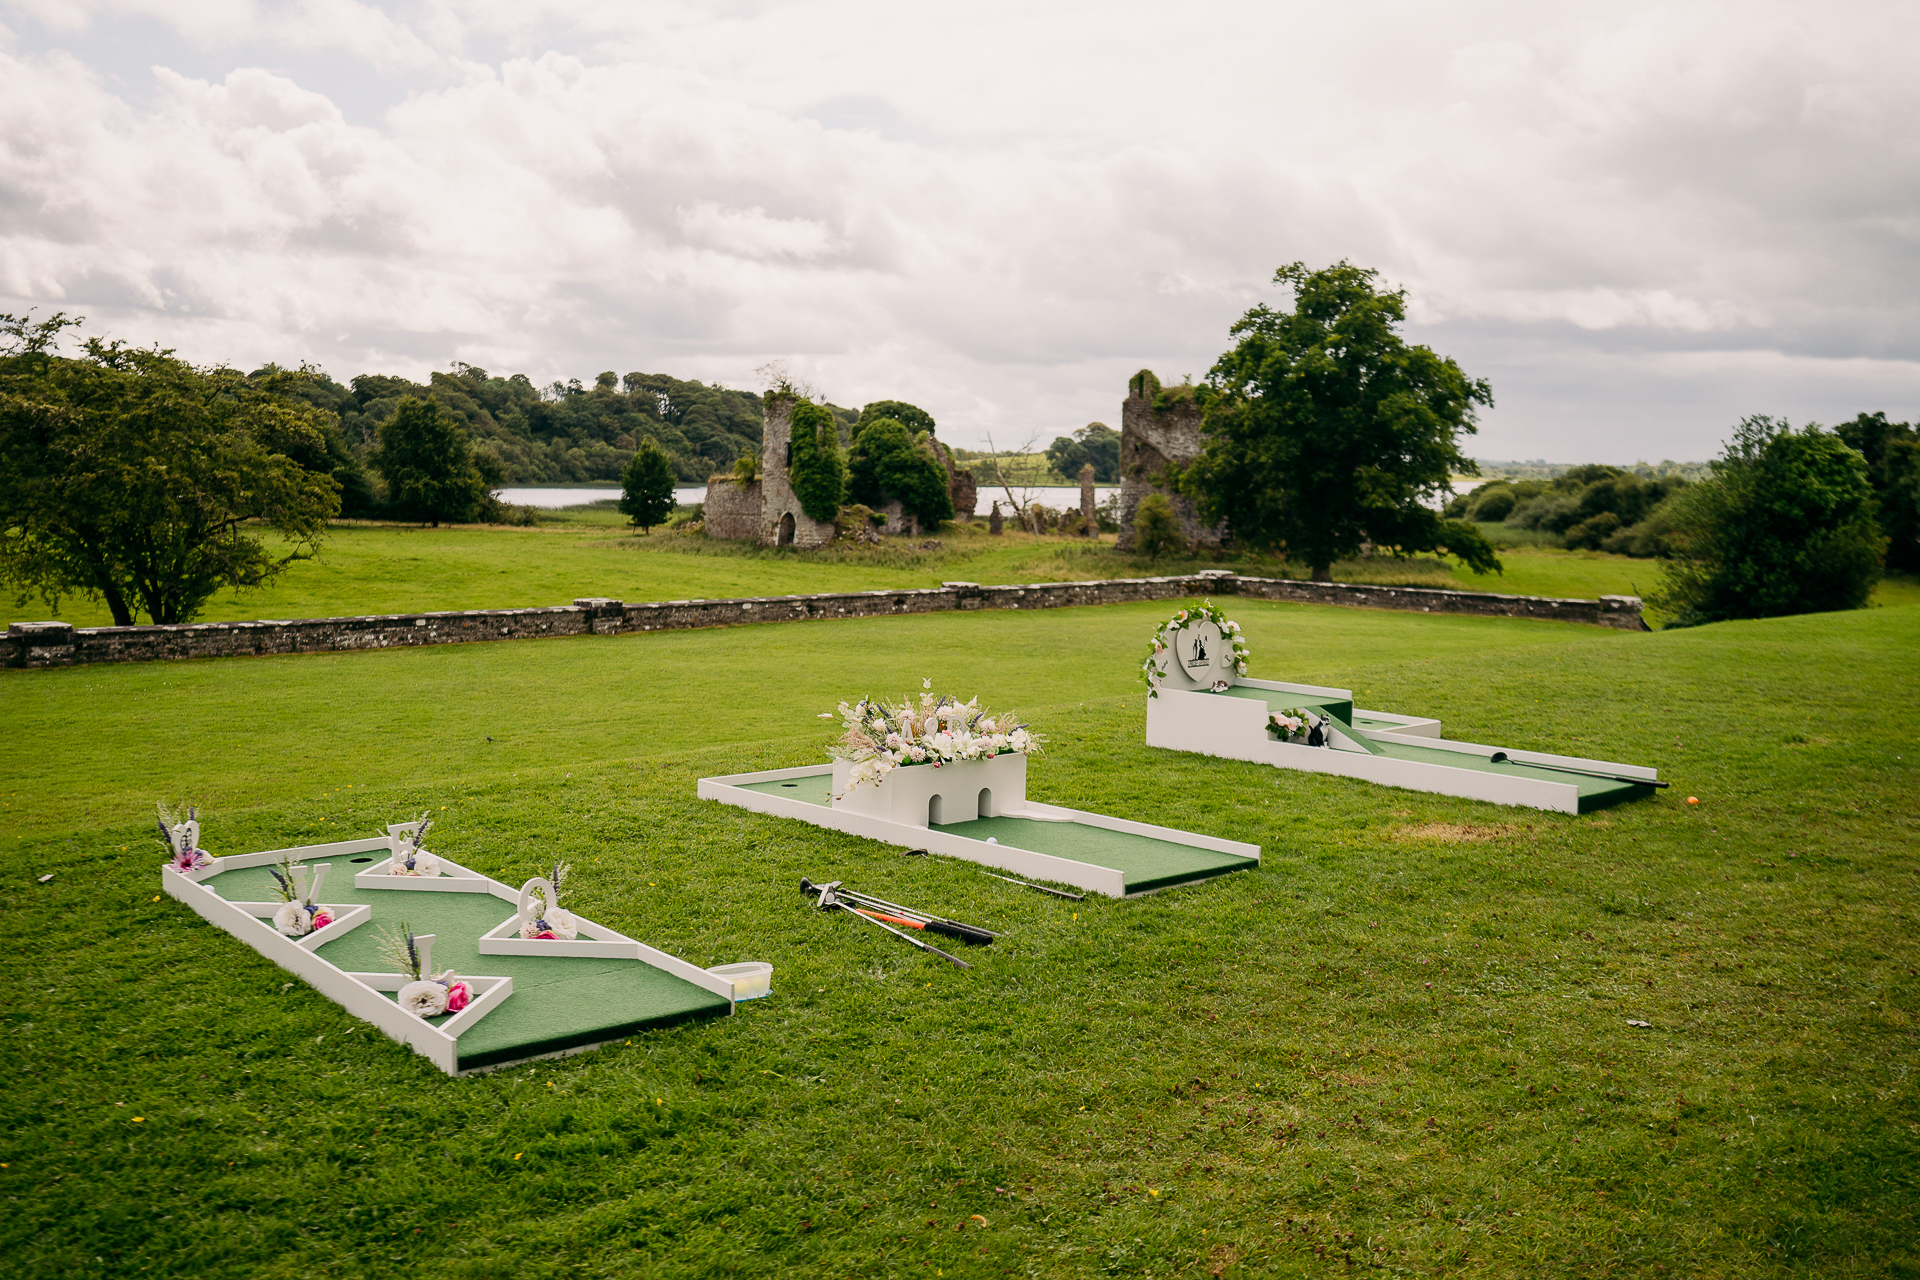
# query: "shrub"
[[1784, 525], [887, 462], [1495, 505], [818, 473], [1156, 529], [1589, 533]]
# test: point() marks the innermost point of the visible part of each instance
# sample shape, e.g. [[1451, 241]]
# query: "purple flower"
[[189, 860]]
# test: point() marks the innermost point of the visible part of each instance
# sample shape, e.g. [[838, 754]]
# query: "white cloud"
[[1639, 224]]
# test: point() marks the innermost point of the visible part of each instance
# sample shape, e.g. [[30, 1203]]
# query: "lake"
[[1058, 497]]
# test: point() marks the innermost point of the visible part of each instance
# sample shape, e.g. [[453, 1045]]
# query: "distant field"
[[1402, 1046], [404, 568]]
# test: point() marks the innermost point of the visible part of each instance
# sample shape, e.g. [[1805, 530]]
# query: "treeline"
[[1591, 508], [1640, 512], [522, 434]]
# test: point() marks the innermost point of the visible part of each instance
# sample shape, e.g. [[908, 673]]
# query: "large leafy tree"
[[910, 416], [818, 472], [1324, 429], [430, 465], [647, 486], [138, 479], [1892, 451], [887, 461], [1785, 524]]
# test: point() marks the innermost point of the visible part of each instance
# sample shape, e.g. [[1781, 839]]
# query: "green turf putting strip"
[[1595, 793], [1146, 861], [558, 1002], [815, 788]]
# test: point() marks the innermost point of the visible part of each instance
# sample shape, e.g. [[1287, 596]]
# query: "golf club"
[[1501, 757], [1058, 893], [914, 918], [829, 899]]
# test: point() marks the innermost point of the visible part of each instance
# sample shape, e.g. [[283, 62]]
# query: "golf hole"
[[360, 859]]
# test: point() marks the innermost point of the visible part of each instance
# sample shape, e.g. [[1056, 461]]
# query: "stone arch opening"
[[933, 811], [986, 802], [786, 529]]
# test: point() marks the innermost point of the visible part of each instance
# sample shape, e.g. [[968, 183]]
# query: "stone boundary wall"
[[50, 644]]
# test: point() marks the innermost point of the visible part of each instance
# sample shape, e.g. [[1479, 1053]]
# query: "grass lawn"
[[1401, 1044], [589, 552]]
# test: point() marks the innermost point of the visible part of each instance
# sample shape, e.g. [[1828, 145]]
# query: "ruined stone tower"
[[766, 510], [1158, 427]]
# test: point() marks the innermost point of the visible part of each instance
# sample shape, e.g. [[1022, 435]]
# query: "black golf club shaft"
[[904, 937], [1058, 893], [933, 924], [1501, 757]]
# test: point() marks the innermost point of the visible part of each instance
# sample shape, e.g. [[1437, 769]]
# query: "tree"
[[818, 472], [647, 487], [1892, 451], [1096, 445], [1322, 429], [136, 478], [1783, 525], [429, 464], [886, 461], [912, 417]]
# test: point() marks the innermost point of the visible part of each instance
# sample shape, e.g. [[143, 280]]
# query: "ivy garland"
[[1163, 640]]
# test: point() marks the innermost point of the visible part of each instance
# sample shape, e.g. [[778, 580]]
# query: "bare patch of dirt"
[[1452, 832]]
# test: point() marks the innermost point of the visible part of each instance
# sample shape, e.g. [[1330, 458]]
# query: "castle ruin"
[[1159, 427], [767, 511]]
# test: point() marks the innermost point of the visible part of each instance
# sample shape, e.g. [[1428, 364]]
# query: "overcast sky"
[[1637, 221]]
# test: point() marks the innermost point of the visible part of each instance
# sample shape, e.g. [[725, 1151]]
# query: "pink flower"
[[459, 996], [322, 917], [548, 934], [189, 860]]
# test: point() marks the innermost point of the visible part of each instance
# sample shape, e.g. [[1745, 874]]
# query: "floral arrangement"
[[548, 922], [409, 859], [422, 996], [298, 914], [880, 737], [1150, 672], [1293, 723], [182, 837]]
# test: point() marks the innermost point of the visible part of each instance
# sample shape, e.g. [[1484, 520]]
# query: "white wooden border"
[[360, 994], [1025, 862], [1236, 729]]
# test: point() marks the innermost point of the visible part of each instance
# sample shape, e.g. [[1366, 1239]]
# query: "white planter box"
[[922, 795]]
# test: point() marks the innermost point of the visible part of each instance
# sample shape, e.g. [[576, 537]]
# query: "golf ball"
[[991, 840]]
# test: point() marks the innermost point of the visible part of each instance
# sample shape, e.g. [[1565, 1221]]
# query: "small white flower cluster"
[[298, 919], [880, 737]]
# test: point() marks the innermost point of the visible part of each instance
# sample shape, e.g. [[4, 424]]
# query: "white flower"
[[426, 864], [423, 999], [293, 920], [919, 753], [563, 923]]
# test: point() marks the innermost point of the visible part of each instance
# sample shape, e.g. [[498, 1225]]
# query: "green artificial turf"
[[1147, 862], [1403, 1045], [558, 1003]]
